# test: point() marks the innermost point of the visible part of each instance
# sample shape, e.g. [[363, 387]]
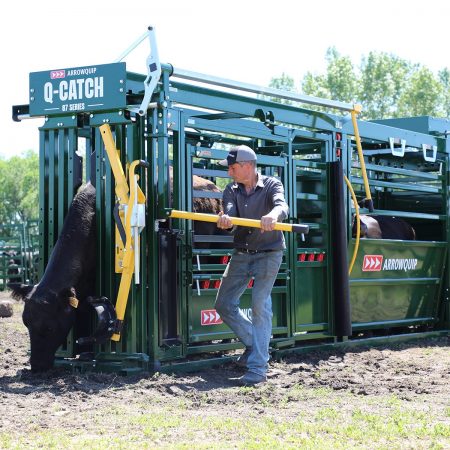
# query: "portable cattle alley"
[[162, 272]]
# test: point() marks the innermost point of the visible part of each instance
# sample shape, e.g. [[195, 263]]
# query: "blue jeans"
[[254, 332]]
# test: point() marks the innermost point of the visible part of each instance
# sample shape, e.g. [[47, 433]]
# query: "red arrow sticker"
[[372, 263], [210, 317], [57, 74]]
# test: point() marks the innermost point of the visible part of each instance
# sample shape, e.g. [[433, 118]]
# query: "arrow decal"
[[210, 317], [372, 263]]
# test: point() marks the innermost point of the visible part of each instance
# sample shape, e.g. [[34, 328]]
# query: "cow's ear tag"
[[73, 302]]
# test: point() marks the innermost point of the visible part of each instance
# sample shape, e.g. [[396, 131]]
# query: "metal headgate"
[[182, 126]]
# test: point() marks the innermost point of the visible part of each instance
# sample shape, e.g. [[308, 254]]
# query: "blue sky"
[[245, 40]]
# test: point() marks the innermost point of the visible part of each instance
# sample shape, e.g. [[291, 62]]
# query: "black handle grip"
[[144, 164]]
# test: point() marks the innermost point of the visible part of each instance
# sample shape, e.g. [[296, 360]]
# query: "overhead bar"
[[199, 77]]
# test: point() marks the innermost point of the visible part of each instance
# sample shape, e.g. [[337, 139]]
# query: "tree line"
[[387, 86], [19, 191]]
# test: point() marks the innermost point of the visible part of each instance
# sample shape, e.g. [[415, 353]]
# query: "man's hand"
[[268, 223], [224, 221]]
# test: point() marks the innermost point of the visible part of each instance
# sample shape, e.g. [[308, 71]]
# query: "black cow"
[[208, 206], [50, 311], [384, 227]]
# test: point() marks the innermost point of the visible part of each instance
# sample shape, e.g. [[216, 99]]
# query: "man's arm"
[[229, 209], [280, 210]]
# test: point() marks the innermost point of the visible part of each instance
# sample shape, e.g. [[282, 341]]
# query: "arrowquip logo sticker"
[[404, 264], [372, 263], [376, 263]]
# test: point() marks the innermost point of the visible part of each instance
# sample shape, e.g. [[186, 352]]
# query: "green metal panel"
[[396, 281]]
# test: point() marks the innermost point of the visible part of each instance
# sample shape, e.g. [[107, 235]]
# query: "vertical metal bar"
[[291, 238], [185, 254], [61, 196], [52, 186], [143, 332], [43, 201]]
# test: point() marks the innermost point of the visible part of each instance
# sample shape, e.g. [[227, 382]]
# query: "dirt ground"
[[416, 372]]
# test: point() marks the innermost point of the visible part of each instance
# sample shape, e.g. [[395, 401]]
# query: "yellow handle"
[[252, 223], [113, 156], [126, 195]]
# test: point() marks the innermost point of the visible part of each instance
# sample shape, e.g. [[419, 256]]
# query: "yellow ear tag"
[[73, 302]]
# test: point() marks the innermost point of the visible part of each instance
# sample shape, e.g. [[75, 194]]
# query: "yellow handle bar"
[[252, 223]]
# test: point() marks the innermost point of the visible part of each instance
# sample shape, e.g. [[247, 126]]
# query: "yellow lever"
[[129, 197], [252, 223]]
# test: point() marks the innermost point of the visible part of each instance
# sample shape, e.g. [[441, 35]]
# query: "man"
[[258, 254]]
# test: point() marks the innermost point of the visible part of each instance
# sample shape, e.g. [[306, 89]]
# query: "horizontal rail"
[[260, 90], [398, 171], [409, 214], [403, 186]]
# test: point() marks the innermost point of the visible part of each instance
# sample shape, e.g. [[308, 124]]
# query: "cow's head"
[[49, 316]]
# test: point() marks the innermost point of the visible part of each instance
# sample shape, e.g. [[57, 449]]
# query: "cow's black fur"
[[70, 272], [384, 227], [208, 206]]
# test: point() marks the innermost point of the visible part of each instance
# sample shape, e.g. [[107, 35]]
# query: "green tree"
[[284, 83], [339, 83], [421, 96], [342, 81], [19, 191], [385, 85], [383, 79], [444, 78]]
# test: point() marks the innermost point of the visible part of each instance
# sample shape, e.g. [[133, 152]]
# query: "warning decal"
[[210, 317]]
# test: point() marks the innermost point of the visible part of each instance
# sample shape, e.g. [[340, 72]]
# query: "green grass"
[[317, 419]]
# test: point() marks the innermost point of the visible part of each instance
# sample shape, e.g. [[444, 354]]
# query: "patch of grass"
[[396, 424]]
